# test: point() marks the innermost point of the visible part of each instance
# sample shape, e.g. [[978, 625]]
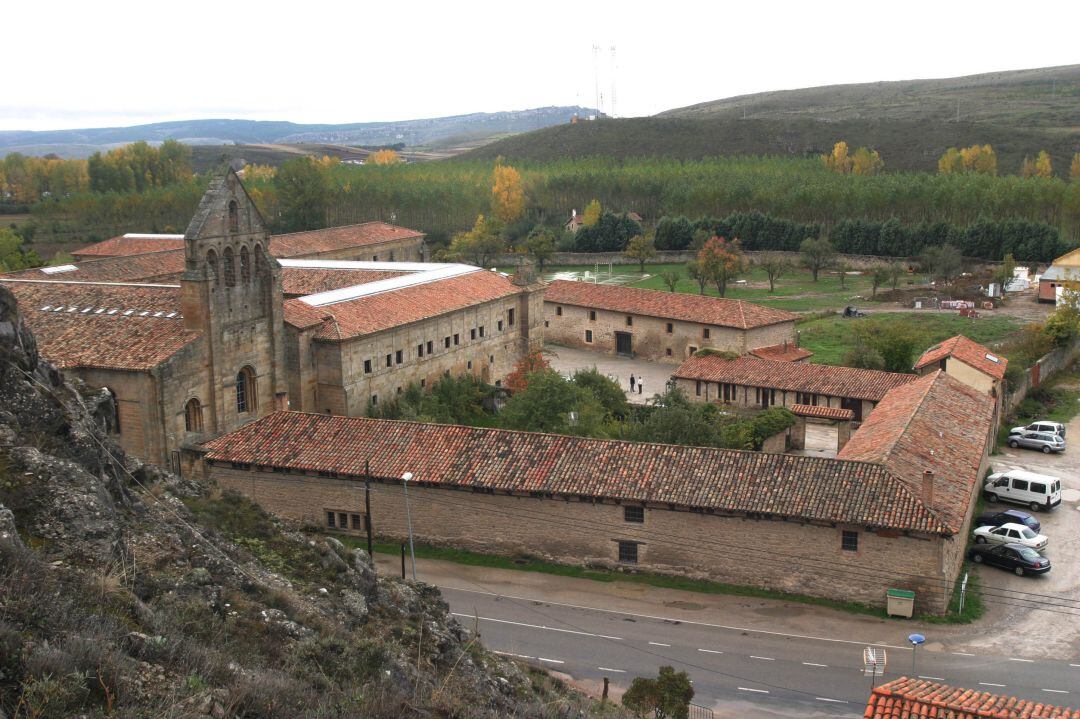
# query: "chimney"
[[928, 488], [573, 213]]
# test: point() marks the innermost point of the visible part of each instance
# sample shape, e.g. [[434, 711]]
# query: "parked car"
[[1010, 533], [1016, 557], [995, 518], [1040, 426], [1037, 491], [1046, 442]]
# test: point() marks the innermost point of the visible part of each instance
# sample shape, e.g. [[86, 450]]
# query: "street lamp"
[[916, 640], [408, 515]]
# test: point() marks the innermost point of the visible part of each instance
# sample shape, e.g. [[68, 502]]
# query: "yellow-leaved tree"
[[507, 194], [591, 215], [866, 162], [1043, 165], [383, 157], [838, 160], [1074, 168], [950, 162], [1027, 167]]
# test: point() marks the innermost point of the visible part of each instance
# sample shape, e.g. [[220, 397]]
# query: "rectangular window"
[[510, 317], [546, 323], [446, 342], [389, 360], [457, 340], [374, 399], [588, 336], [628, 552], [668, 351], [592, 315], [697, 387], [629, 321], [705, 333], [330, 519], [481, 330], [343, 520], [399, 355], [670, 327], [1020, 484], [1038, 488], [430, 347], [491, 359], [420, 350], [367, 366], [634, 514], [500, 325], [472, 333], [558, 310], [374, 258], [470, 364], [849, 541], [423, 383], [693, 350]]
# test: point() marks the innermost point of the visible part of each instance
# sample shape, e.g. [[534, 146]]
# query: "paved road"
[[788, 675]]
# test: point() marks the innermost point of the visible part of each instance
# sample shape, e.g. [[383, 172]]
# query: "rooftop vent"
[[992, 358], [58, 269]]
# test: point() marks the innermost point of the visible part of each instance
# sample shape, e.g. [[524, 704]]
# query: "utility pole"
[[367, 507], [408, 516], [596, 76]]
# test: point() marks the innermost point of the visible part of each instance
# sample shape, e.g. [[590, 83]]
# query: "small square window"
[[399, 355], [628, 553], [705, 333], [470, 364], [457, 340], [420, 350], [634, 514], [399, 390], [588, 336], [629, 321], [367, 366], [472, 333], [670, 327], [558, 311], [374, 400], [500, 325], [481, 330], [430, 347], [446, 342], [389, 360], [693, 350], [592, 315], [374, 258], [331, 519], [849, 541], [498, 383], [668, 351]]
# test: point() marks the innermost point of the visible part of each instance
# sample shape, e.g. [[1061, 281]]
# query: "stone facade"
[[652, 338], [749, 397]]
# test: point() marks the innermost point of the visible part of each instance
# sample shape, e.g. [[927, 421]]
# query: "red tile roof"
[[786, 352], [967, 351], [83, 333], [135, 245], [303, 316], [809, 410], [922, 699], [778, 485], [393, 308], [314, 242], [830, 380], [300, 281], [935, 423], [669, 305], [164, 266]]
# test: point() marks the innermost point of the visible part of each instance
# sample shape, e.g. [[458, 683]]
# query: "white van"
[[1037, 491]]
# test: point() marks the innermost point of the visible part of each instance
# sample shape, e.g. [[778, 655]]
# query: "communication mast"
[[596, 76], [613, 66]]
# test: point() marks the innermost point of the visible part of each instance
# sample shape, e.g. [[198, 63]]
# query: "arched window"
[[230, 267], [246, 401], [245, 265], [234, 216], [193, 415], [211, 260], [257, 251]]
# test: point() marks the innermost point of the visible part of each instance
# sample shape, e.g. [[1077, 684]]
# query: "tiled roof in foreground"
[[810, 410], [779, 485], [670, 305], [786, 352], [299, 281], [163, 266], [906, 698], [313, 242], [831, 380], [967, 351], [131, 244]]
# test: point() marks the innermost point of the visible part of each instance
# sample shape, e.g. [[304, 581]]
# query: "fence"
[[700, 712]]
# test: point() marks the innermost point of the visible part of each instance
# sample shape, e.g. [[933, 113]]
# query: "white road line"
[[658, 644], [510, 654], [688, 622], [551, 661], [710, 651], [766, 659], [1056, 691], [609, 669], [834, 701], [813, 664], [759, 691], [990, 684], [933, 679], [963, 654], [1017, 659], [536, 626]]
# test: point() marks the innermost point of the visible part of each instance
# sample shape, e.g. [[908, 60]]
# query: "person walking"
[[632, 380], [640, 385]]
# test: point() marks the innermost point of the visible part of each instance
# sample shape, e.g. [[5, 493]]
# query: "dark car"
[[995, 518], [1016, 557]]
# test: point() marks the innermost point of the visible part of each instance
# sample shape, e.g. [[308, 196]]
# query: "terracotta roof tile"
[[381, 311], [299, 281], [130, 245], [778, 485], [967, 351], [302, 315], [935, 423], [103, 326], [313, 242], [671, 305], [835, 381], [921, 698], [786, 352], [809, 410], [164, 266]]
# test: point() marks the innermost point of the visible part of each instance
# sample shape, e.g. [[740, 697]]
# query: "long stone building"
[[198, 341], [892, 511], [659, 326]]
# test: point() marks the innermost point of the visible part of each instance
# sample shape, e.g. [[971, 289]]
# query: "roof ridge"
[[926, 391], [354, 224]]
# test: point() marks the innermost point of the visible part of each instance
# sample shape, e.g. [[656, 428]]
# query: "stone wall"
[[787, 556], [747, 396], [407, 250], [1050, 363]]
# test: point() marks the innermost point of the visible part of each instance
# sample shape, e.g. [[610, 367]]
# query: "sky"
[[115, 63]]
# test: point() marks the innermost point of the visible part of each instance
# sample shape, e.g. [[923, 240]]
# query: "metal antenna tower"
[[596, 75], [613, 67]]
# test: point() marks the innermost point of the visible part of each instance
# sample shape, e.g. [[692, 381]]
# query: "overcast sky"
[[112, 62]]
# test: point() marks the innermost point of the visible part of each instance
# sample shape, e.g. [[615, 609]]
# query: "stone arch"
[[230, 267], [193, 415], [245, 265], [246, 398]]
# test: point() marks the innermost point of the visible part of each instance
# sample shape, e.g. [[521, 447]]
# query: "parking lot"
[[1007, 627]]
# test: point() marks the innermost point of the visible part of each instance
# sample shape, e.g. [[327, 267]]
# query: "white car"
[[1011, 533]]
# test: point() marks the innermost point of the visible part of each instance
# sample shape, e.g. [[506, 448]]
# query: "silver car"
[[1040, 426], [1044, 441]]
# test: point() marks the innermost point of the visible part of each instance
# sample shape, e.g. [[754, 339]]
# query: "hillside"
[[1042, 97], [413, 133], [904, 144], [127, 591]]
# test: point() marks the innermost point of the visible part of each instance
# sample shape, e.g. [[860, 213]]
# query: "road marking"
[[748, 689], [536, 626], [609, 669], [658, 644], [834, 701], [551, 661], [689, 622], [1015, 659], [767, 659], [1056, 691], [516, 656], [710, 651], [933, 679], [963, 654], [812, 664], [990, 684]]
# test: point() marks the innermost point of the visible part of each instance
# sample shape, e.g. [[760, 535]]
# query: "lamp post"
[[916, 640], [408, 515]]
